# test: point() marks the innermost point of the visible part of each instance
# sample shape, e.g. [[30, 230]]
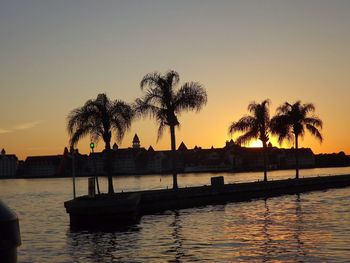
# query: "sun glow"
[[255, 144]]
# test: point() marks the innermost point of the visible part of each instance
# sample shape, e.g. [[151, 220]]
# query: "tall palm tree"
[[164, 101], [99, 118], [290, 123], [254, 126]]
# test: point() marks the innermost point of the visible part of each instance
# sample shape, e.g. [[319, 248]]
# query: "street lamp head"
[[92, 146]]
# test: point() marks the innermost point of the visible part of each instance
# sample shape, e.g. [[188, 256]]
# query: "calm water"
[[312, 227]]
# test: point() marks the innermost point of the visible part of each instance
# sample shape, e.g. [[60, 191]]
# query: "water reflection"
[[131, 225], [267, 244], [177, 237], [301, 251], [288, 227], [103, 246]]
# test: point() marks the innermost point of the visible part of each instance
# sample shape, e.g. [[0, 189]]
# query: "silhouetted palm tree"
[[99, 118], [164, 102], [290, 123], [254, 126]]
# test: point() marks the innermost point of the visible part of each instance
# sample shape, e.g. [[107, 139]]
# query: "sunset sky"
[[55, 55]]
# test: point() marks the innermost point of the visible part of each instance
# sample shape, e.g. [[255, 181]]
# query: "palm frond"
[[162, 119], [162, 102], [293, 118], [285, 135], [78, 117], [121, 117], [153, 79], [314, 131], [122, 111], [307, 108], [143, 109], [281, 127], [314, 121], [246, 123], [252, 107], [160, 131], [266, 103], [154, 97], [98, 117], [191, 96], [78, 134], [283, 109], [95, 136], [247, 137], [171, 78], [102, 100]]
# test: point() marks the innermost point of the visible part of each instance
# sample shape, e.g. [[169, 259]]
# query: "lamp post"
[[92, 146]]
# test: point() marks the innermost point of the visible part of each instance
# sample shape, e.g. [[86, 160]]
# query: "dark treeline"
[[332, 160]]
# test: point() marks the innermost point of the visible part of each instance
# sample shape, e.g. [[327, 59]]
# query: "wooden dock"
[[125, 208]]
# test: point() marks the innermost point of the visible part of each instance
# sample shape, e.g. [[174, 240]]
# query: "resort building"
[[139, 160], [8, 164], [42, 166], [232, 157]]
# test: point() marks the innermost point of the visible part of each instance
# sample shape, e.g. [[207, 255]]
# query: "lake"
[[310, 227]]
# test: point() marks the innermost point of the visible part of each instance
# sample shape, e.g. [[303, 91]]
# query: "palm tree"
[[254, 126], [99, 118], [164, 101], [290, 122]]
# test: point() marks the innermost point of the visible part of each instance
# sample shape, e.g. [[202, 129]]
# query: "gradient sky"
[[55, 55]]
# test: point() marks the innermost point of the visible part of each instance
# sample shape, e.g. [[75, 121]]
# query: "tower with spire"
[[136, 142]]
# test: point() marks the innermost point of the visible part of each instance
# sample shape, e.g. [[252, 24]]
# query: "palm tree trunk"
[[110, 185], [96, 177], [173, 155], [108, 170], [97, 185], [265, 160], [296, 158], [108, 164]]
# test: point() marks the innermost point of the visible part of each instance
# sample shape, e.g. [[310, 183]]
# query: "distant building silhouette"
[[332, 159], [8, 164], [139, 160], [136, 142], [182, 147], [115, 147], [150, 149], [42, 166]]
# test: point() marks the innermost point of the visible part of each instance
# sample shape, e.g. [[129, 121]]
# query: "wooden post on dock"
[[73, 170]]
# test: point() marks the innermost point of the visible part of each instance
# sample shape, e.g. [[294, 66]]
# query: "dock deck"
[[124, 208]]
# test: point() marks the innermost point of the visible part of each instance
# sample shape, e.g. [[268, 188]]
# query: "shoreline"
[[169, 173]]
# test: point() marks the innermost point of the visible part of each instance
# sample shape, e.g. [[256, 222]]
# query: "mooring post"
[[10, 237]]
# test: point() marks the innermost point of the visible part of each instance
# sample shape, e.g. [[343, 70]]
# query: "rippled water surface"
[[310, 227]]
